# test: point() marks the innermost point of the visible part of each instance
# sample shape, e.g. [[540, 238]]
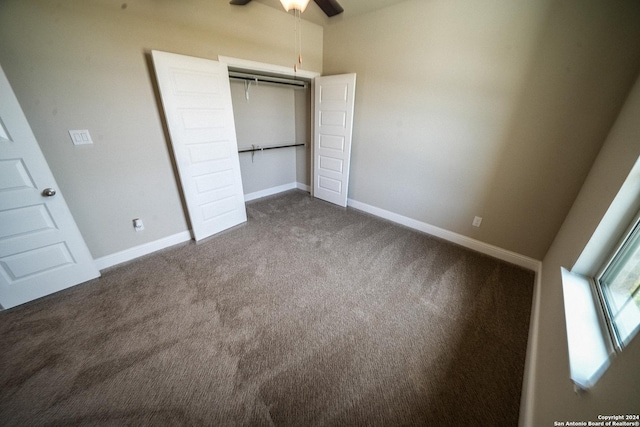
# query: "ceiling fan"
[[329, 7]]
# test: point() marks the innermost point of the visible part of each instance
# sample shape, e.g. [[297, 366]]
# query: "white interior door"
[[333, 127], [197, 105], [41, 248]]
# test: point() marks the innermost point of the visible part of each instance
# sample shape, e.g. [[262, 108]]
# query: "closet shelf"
[[250, 77], [270, 147]]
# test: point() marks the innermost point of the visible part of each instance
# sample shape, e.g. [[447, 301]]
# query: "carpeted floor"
[[307, 315]]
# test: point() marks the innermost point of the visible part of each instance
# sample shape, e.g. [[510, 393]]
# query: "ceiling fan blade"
[[330, 7], [239, 2]]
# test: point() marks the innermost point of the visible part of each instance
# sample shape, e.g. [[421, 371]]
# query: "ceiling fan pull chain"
[[297, 41], [299, 37], [296, 14]]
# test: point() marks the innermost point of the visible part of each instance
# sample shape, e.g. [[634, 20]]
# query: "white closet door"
[[41, 248], [334, 102], [197, 105]]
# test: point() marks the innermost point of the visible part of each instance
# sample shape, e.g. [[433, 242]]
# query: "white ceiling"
[[351, 8]]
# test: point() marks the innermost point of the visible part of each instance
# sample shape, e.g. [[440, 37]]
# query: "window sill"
[[590, 351]]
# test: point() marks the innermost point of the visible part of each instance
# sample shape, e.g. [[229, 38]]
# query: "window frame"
[[615, 341], [590, 345]]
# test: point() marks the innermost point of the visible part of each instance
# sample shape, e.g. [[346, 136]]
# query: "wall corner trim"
[[141, 250]]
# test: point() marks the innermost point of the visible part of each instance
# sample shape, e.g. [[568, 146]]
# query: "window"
[[618, 286], [601, 291], [602, 310]]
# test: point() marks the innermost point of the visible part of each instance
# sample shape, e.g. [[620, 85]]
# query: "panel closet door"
[[333, 128], [197, 105]]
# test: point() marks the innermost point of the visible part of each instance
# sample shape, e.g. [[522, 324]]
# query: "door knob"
[[48, 192]]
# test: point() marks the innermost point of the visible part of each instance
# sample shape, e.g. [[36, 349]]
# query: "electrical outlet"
[[477, 221], [137, 224]]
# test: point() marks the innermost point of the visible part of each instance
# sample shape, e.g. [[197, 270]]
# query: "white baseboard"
[[269, 191], [147, 248], [467, 242], [530, 364], [485, 248], [141, 250], [275, 190]]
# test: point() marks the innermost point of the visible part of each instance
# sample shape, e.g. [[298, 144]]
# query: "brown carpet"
[[307, 315]]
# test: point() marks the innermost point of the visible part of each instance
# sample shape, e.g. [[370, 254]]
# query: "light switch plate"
[[80, 137]]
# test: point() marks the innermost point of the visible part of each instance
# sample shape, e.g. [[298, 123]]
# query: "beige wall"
[[494, 108], [83, 65], [618, 391]]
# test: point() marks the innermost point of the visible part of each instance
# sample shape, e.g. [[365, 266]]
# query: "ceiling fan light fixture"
[[300, 5]]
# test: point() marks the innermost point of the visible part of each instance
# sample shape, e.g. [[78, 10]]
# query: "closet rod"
[[266, 79], [271, 147]]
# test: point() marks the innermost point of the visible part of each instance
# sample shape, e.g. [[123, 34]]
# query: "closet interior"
[[273, 128]]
